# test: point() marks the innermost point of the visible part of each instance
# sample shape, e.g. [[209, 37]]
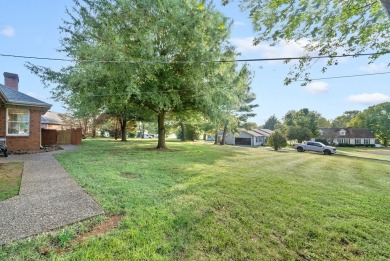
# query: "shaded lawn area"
[[362, 152], [203, 202], [10, 178]]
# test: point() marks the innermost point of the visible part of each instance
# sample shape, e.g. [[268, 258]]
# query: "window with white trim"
[[357, 141], [18, 122], [366, 141]]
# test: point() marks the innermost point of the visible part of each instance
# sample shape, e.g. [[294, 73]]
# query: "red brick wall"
[[2, 121], [23, 143]]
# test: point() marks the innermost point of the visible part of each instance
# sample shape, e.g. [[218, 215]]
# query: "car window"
[[310, 143]]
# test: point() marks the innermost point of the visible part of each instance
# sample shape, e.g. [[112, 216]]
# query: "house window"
[[18, 122], [366, 141], [357, 141], [343, 141]]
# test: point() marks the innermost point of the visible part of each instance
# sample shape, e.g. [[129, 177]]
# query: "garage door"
[[243, 141]]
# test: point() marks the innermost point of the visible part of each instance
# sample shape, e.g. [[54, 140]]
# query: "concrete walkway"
[[49, 198]]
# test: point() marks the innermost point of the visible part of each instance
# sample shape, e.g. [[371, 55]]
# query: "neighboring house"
[[20, 116], [347, 136], [265, 134], [52, 121], [246, 137]]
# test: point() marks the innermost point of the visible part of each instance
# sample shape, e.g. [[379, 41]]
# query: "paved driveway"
[[49, 198]]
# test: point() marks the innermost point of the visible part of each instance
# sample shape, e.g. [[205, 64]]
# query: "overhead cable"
[[187, 62]]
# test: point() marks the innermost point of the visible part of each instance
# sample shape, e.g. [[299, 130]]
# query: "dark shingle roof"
[[349, 133], [14, 97]]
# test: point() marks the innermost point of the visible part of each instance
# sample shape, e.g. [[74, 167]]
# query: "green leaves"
[[377, 119], [331, 27]]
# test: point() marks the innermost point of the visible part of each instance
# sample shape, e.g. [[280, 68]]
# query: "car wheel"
[[300, 149], [5, 153], [327, 152]]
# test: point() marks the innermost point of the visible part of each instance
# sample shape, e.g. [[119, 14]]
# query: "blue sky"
[[30, 28]]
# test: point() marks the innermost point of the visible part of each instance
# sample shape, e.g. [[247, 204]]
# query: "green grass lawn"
[[10, 178], [203, 202], [363, 152]]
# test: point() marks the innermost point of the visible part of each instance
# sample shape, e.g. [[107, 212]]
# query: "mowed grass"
[[10, 178], [363, 152], [203, 202]]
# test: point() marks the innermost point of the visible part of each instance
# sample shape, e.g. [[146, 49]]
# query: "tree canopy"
[[325, 28], [150, 54], [377, 119], [303, 119], [271, 122], [343, 121]]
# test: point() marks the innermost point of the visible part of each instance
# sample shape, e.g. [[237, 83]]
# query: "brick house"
[[20, 116]]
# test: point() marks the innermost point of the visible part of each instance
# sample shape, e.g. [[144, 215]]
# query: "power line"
[[341, 76], [181, 90], [185, 62]]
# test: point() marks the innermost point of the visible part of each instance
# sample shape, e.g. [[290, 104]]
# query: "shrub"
[[277, 140]]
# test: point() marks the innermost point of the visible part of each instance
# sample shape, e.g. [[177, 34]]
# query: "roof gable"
[[14, 97]]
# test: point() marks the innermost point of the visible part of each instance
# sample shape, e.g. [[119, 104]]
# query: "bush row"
[[356, 145]]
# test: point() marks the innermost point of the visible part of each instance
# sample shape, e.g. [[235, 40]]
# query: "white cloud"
[[317, 88], [375, 68], [8, 31], [368, 98], [284, 49]]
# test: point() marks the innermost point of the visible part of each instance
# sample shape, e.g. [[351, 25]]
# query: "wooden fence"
[[49, 137], [61, 137]]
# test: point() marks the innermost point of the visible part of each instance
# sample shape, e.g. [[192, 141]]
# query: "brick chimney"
[[11, 80]]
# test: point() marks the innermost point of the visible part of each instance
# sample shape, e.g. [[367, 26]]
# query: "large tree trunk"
[[385, 142], [224, 135], [183, 131], [94, 127], [161, 130], [123, 123], [116, 134], [216, 138], [142, 130]]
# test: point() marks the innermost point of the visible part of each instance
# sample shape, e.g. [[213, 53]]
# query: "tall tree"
[[158, 49], [326, 28], [271, 122], [377, 119], [344, 120], [303, 119]]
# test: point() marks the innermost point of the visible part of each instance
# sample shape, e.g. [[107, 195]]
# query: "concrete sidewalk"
[[49, 198]]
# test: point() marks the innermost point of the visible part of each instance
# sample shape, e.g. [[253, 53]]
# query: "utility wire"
[[183, 90], [342, 76], [185, 62]]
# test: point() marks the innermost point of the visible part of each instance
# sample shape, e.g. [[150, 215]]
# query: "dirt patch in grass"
[[98, 230], [101, 228], [10, 178]]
